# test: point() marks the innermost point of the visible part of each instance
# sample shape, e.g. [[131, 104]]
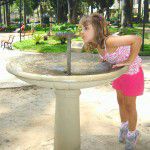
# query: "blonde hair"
[[99, 24]]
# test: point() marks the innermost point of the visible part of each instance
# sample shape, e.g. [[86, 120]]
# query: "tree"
[[91, 4], [146, 9], [139, 10], [127, 13], [27, 9], [7, 5], [123, 16], [4, 14], [61, 11], [41, 13], [6, 10], [28, 6], [72, 10], [102, 5], [0, 13]]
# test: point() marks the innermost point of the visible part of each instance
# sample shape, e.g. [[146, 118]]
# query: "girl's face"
[[88, 33]]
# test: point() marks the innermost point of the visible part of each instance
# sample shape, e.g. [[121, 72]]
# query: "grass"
[[50, 45], [146, 51]]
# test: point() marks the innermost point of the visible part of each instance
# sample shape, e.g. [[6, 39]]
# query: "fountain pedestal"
[[67, 120]]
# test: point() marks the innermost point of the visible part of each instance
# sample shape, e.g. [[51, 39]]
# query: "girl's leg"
[[133, 134], [130, 103], [124, 117], [122, 106]]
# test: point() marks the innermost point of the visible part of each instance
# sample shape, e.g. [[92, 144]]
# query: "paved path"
[[8, 80]]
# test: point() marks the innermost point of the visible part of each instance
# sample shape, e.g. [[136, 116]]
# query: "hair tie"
[[100, 17]]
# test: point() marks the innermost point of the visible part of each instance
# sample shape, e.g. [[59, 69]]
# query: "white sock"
[[124, 124], [131, 132]]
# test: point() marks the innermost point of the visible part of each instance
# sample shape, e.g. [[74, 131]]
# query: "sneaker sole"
[[138, 139], [123, 141]]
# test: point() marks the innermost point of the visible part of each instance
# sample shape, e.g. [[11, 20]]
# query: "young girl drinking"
[[119, 51]]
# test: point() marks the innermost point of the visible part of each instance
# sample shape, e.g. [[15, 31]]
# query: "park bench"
[[8, 42]]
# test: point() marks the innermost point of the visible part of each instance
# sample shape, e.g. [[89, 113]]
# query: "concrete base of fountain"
[[49, 70]]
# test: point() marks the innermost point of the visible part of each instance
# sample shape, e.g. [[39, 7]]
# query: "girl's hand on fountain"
[[121, 64], [102, 60]]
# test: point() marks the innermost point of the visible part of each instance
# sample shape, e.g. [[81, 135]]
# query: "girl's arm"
[[134, 41]]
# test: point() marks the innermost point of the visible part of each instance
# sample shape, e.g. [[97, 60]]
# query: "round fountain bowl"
[[49, 70]]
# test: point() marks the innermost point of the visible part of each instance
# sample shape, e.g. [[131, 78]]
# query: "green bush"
[[28, 27], [126, 31], [17, 19], [11, 28], [1, 24], [37, 38], [61, 39], [65, 27], [38, 27], [114, 19]]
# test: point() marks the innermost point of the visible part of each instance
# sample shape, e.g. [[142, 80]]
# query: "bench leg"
[[10, 46], [1, 44], [4, 45]]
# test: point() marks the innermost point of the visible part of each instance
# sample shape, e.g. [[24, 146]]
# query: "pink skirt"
[[130, 85]]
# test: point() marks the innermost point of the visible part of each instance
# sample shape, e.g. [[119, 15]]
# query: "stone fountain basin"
[[49, 70]]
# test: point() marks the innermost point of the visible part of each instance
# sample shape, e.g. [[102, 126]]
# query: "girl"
[[119, 51]]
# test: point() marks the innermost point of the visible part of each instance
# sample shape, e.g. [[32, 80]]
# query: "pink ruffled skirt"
[[130, 85]]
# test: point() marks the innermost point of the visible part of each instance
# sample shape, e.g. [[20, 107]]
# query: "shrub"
[[37, 38], [136, 20], [11, 28], [65, 27], [114, 18], [28, 27], [2, 27], [44, 27]]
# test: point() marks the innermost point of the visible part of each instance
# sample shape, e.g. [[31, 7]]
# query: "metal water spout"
[[68, 36]]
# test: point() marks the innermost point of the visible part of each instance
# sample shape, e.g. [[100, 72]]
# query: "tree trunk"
[[122, 3], [146, 9], [41, 14], [0, 13], [119, 14], [69, 11], [139, 10], [72, 11], [24, 10], [60, 11], [108, 13], [91, 7], [130, 13], [38, 13], [4, 15], [74, 14], [7, 14]]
